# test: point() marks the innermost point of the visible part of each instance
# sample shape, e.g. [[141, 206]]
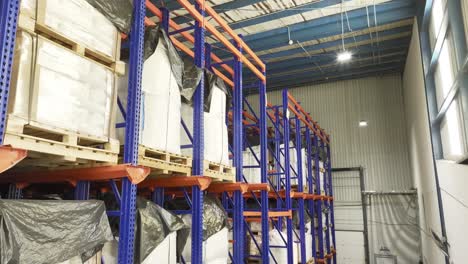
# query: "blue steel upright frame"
[[9, 11]]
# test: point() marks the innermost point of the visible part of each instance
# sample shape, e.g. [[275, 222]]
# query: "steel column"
[[198, 142], [132, 129], [331, 204], [9, 10], [264, 172], [238, 232], [310, 182], [300, 188], [326, 204], [286, 137], [318, 203]]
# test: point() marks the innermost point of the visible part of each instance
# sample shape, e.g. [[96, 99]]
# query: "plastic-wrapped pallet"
[[216, 135], [53, 86], [252, 175], [281, 254], [160, 109], [75, 20]]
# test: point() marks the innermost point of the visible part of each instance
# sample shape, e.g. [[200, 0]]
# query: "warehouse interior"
[[233, 131]]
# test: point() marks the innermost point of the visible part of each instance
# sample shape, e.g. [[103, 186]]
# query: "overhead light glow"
[[344, 56], [363, 123]]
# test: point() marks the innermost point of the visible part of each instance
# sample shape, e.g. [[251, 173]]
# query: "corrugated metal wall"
[[381, 147]]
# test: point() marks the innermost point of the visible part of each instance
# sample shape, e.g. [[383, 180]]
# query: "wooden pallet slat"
[[219, 172], [164, 163], [51, 148]]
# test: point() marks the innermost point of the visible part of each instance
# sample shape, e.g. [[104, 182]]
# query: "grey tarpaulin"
[[39, 232], [119, 12], [192, 77], [154, 224], [214, 220], [307, 218]]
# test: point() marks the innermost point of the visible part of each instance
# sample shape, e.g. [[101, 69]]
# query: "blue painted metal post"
[[82, 190], [239, 232], [300, 188], [326, 204], [318, 203], [264, 172], [286, 137], [132, 128], [310, 182], [9, 10], [331, 204], [198, 142]]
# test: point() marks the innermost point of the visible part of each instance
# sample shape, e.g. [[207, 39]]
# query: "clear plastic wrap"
[[28, 8], [71, 92], [21, 75], [37, 232], [64, 91], [81, 22]]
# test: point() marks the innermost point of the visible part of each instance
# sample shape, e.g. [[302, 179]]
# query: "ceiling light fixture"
[[363, 123], [289, 37], [344, 56]]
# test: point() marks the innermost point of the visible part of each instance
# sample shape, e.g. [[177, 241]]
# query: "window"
[[437, 16], [451, 125], [451, 133], [445, 71]]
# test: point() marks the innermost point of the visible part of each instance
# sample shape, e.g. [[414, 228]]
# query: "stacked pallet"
[[63, 85]]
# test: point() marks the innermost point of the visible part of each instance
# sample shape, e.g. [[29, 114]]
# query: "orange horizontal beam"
[[178, 181], [10, 156], [270, 214], [233, 34], [308, 117], [135, 174], [151, 7], [252, 187], [228, 187], [191, 9]]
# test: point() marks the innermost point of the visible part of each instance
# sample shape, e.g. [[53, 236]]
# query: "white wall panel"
[[420, 151], [381, 148]]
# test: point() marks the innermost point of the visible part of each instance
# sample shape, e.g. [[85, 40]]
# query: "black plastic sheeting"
[[214, 216], [155, 36], [119, 12], [192, 77], [39, 231], [154, 224]]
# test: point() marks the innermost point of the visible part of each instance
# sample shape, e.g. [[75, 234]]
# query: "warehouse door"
[[351, 229]]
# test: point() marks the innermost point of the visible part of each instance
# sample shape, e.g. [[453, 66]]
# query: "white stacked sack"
[[54, 86], [215, 248], [281, 254], [308, 244], [160, 103], [75, 20], [252, 175], [216, 148]]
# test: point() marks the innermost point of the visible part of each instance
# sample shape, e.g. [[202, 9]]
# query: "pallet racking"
[[235, 195]]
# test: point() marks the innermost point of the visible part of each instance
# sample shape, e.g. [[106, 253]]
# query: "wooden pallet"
[[219, 172], [163, 163], [32, 26], [50, 146]]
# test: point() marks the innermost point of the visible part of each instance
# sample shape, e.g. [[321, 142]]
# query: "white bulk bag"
[[160, 103], [216, 148], [252, 175], [281, 254]]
